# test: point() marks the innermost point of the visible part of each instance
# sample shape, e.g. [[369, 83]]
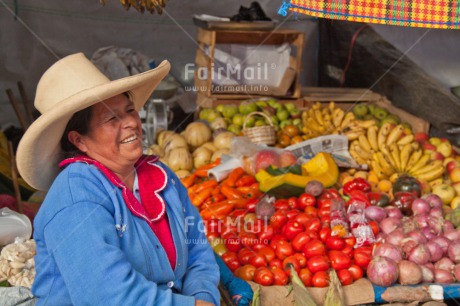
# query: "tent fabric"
[[439, 14]]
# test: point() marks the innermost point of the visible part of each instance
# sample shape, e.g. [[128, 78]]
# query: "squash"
[[321, 168]]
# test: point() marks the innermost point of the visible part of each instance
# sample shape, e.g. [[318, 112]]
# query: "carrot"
[[205, 185], [189, 180], [217, 211], [245, 180], [234, 176], [216, 190], [201, 197], [203, 170], [230, 192], [217, 197], [239, 203]]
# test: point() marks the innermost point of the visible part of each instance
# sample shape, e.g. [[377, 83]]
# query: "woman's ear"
[[77, 140]]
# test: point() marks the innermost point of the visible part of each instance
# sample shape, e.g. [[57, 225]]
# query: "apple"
[[238, 119], [428, 148], [454, 175], [235, 129], [250, 121], [287, 158], [212, 115], [285, 122], [247, 107], [445, 148], [452, 165], [437, 156], [435, 141], [445, 192], [290, 106], [436, 182], [229, 111], [447, 160], [360, 110], [260, 122], [455, 202], [297, 121], [295, 113], [282, 114], [456, 187], [220, 108], [421, 137], [204, 113], [265, 158]]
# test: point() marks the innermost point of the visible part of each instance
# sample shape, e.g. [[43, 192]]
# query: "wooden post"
[[14, 177], [14, 103]]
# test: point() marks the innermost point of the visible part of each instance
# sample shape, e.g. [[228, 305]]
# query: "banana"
[[405, 140], [365, 123], [372, 137], [430, 176], [406, 152], [395, 134], [378, 170], [421, 163], [428, 168], [414, 158], [394, 150], [364, 143], [349, 117], [352, 135], [386, 166], [319, 117], [337, 116], [356, 157], [386, 152], [331, 106], [364, 154], [383, 134]]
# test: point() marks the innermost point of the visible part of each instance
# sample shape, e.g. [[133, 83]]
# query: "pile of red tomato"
[[298, 234]]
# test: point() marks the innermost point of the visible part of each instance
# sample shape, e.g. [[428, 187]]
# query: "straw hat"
[[70, 85]]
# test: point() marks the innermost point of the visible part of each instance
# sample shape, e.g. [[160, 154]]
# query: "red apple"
[[435, 141], [428, 147], [445, 192], [287, 158], [445, 148], [437, 156], [452, 165], [265, 158], [421, 137], [454, 175]]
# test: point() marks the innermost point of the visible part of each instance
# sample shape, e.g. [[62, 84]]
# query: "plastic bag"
[[360, 228]]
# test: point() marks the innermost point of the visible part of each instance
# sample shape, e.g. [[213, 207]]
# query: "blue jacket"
[[91, 250]]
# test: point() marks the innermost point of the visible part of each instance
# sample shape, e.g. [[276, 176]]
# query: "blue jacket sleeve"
[[202, 277], [86, 250]]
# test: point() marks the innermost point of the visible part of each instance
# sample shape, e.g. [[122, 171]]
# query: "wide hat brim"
[[39, 151]]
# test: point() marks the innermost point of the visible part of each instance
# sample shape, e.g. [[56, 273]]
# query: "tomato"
[[301, 259], [292, 213], [232, 242], [375, 227], [335, 243], [350, 240], [306, 276], [326, 220], [365, 249], [339, 260], [311, 211], [320, 279], [324, 233], [258, 260], [212, 235], [278, 219], [263, 276], [220, 249], [266, 234], [324, 203], [213, 225], [237, 213], [312, 234], [299, 241], [246, 272], [356, 272], [305, 200], [347, 250], [281, 204], [313, 248], [313, 224], [229, 228], [257, 247], [276, 238], [345, 277], [254, 226], [266, 252], [280, 278], [231, 260], [244, 255], [276, 263], [283, 249], [248, 239], [291, 261], [251, 205], [292, 202], [331, 194], [324, 212], [302, 218], [291, 229], [318, 263], [362, 259]]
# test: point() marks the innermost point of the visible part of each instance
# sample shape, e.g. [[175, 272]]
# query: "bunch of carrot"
[[216, 200]]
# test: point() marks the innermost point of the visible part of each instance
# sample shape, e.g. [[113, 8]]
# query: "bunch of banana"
[[142, 5], [319, 120], [389, 153]]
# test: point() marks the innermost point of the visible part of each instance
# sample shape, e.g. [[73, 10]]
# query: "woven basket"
[[260, 134]]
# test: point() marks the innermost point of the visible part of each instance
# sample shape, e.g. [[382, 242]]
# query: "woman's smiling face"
[[115, 134]]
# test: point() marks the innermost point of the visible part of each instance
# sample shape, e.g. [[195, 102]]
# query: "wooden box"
[[204, 60]]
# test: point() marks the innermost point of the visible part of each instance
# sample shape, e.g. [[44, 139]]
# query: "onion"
[[456, 272], [435, 250], [315, 188], [429, 266], [408, 224], [436, 212], [454, 251], [428, 233], [382, 271], [375, 213], [396, 237], [444, 264], [174, 141], [443, 243], [421, 220], [393, 212], [433, 199], [420, 206], [427, 274], [381, 237], [435, 224], [218, 123], [452, 234], [388, 225], [388, 250], [223, 140], [443, 276], [197, 133], [407, 244], [201, 156], [180, 159], [420, 254], [417, 236], [447, 225], [409, 273]]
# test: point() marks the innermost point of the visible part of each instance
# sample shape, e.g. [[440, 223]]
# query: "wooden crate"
[[346, 98], [203, 101], [209, 39]]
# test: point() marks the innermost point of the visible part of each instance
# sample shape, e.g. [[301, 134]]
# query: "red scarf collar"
[[152, 180]]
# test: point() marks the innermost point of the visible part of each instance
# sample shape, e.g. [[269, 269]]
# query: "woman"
[[116, 227]]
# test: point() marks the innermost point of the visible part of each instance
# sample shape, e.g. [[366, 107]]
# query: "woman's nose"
[[130, 121]]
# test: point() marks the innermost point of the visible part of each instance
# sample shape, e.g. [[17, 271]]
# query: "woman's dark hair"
[[80, 124]]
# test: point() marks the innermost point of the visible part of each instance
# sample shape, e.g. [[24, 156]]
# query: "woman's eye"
[[131, 110]]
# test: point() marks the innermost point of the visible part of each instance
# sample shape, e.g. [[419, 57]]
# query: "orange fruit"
[[296, 139], [291, 130], [284, 140], [384, 186]]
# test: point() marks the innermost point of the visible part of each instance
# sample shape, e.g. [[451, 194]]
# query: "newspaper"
[[336, 145]]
